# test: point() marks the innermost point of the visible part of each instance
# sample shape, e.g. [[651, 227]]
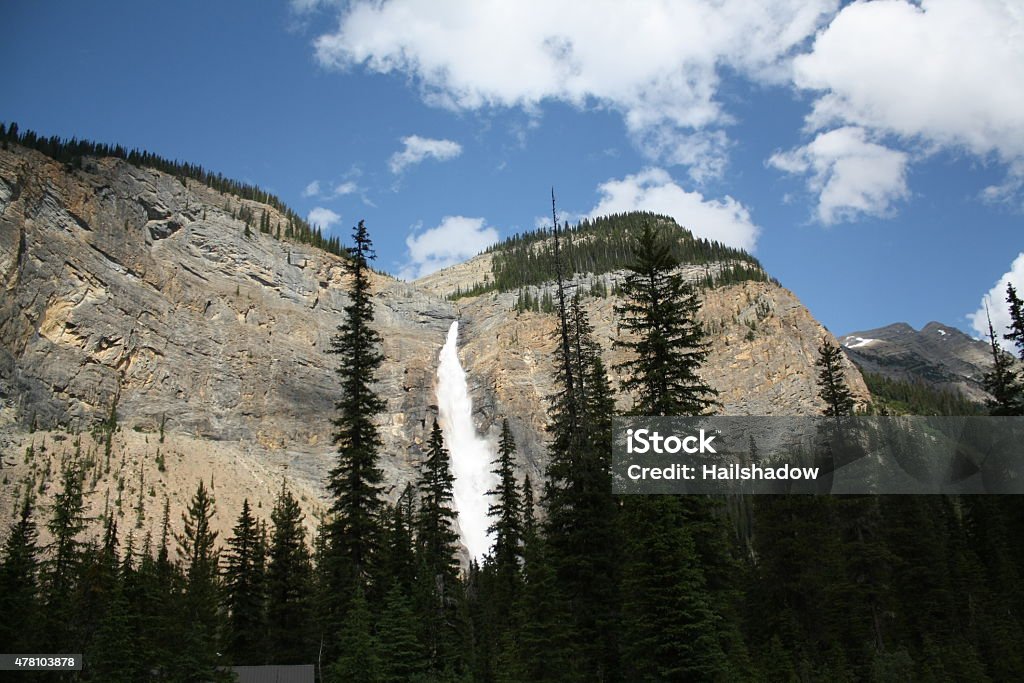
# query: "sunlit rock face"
[[128, 285]]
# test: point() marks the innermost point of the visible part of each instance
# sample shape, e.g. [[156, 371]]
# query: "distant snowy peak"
[[854, 342], [938, 354], [944, 331]]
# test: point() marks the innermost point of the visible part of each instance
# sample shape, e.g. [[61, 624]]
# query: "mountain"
[[200, 318], [938, 355]]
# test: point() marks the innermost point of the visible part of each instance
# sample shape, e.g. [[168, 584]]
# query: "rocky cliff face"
[[130, 289], [127, 286], [938, 355]]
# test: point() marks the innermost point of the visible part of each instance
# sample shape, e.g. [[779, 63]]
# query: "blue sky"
[[870, 154]]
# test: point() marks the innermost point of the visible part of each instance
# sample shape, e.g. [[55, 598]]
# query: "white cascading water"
[[471, 455]]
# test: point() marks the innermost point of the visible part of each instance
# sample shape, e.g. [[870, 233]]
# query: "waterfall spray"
[[471, 455]]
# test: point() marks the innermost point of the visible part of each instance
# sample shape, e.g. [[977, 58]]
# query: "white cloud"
[[725, 220], [306, 6], [347, 187], [417, 149], [1009, 191], [657, 63], [312, 190], [456, 239], [851, 175], [935, 74], [323, 217], [995, 299], [704, 153]]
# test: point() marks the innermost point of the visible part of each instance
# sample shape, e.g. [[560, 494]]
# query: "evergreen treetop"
[[244, 590], [355, 480], [289, 584], [659, 315], [1016, 333], [436, 537], [832, 387], [506, 509], [1002, 381]]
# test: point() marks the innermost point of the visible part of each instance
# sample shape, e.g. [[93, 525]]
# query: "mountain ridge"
[[132, 291], [939, 355]]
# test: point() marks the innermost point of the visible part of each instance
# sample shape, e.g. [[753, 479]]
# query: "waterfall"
[[471, 455]]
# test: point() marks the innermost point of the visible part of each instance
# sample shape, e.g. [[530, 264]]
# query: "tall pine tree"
[[1016, 333], [19, 583], [63, 567], [198, 653], [507, 526], [668, 346], [244, 592], [581, 528], [355, 481], [437, 543], [289, 585], [1002, 381], [832, 387], [659, 314]]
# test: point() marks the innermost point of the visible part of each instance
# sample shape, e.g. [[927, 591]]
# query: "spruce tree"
[[436, 537], [355, 480], [359, 658], [545, 648], [670, 625], [131, 591], [99, 574], [529, 518], [62, 569], [157, 604], [197, 654], [401, 653], [19, 583], [397, 565], [507, 525], [568, 402], [437, 588], [1002, 382], [581, 529], [110, 656], [289, 585], [244, 592], [832, 387], [1016, 333], [659, 314], [668, 345]]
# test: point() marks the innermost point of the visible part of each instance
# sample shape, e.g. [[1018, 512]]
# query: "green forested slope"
[[602, 245]]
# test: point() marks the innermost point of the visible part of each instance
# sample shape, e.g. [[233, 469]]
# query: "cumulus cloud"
[[312, 190], [454, 240], [323, 217], [851, 175], [995, 299], [1010, 190], [725, 220], [417, 149], [347, 187], [656, 63], [935, 74]]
